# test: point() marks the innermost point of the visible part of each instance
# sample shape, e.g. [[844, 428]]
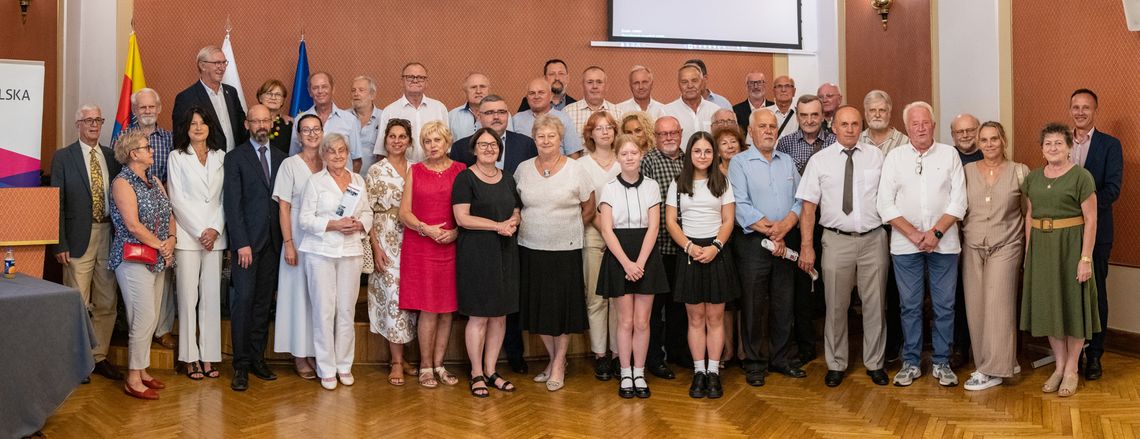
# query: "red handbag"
[[141, 253]]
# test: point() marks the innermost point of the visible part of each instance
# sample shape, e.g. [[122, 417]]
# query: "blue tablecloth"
[[45, 351]]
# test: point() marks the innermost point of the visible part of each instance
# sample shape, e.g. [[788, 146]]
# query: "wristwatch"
[[937, 233]]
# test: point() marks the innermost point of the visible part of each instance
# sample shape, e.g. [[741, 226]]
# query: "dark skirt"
[[714, 282], [611, 278], [487, 274], [551, 292]]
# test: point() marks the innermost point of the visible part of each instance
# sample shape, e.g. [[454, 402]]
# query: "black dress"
[[487, 264]]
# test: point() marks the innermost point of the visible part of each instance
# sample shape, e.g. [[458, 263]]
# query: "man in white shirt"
[[784, 91], [707, 94], [842, 180], [538, 103], [593, 100], [463, 120], [333, 118], [366, 121], [691, 110], [641, 87], [413, 106], [922, 195]]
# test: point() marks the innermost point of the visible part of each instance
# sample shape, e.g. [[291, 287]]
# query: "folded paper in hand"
[[349, 201]]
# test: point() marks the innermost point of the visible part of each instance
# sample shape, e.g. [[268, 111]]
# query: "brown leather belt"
[[102, 220], [1049, 224]]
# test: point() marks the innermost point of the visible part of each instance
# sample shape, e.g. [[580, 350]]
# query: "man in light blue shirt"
[[333, 119], [764, 182], [538, 97], [365, 121]]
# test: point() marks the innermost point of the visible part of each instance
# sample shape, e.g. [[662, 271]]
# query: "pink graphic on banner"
[[18, 170]]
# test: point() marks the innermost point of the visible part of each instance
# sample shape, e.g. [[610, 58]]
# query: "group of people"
[[668, 232]]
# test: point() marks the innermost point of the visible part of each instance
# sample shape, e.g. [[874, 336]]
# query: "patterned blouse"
[[154, 213]]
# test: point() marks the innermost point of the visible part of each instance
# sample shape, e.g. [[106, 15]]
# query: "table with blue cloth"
[[45, 351]]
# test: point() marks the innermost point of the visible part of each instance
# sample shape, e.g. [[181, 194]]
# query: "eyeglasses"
[[964, 132], [92, 121], [259, 121], [308, 131], [754, 84], [148, 147], [414, 78], [273, 94], [781, 86], [723, 123], [669, 133], [490, 113], [603, 128], [918, 164], [217, 63], [486, 146]]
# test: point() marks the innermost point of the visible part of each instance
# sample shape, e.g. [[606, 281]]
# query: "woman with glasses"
[[142, 219], [293, 327], [272, 95], [601, 166], [195, 183]]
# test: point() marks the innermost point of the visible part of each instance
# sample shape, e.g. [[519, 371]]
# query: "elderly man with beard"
[[557, 74], [255, 238], [146, 105], [964, 130], [879, 133]]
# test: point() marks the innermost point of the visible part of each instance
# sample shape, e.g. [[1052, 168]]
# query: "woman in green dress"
[[1059, 298]]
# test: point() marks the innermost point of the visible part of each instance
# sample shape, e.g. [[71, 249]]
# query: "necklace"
[[493, 173], [1050, 181], [990, 168], [546, 170]]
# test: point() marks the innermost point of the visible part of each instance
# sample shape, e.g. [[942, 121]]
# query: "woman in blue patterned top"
[[140, 212]]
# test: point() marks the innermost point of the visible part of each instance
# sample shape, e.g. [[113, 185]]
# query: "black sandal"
[[479, 392], [506, 387], [213, 372], [194, 371]]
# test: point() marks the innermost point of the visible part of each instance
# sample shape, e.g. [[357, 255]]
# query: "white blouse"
[[700, 213], [318, 207], [552, 206], [630, 203]]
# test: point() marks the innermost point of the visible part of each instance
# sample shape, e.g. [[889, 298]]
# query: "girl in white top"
[[334, 253], [293, 327], [629, 215], [195, 186], [602, 167], [699, 215]]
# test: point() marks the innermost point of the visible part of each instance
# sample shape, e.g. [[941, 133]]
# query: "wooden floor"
[[784, 408]]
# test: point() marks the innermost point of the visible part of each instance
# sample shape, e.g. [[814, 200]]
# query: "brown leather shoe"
[[108, 371], [167, 340]]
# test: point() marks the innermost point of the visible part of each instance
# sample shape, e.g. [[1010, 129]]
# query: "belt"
[[1049, 224], [102, 220], [854, 234], [391, 211]]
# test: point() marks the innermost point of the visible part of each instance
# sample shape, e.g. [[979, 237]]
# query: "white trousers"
[[141, 295], [334, 285], [199, 274]]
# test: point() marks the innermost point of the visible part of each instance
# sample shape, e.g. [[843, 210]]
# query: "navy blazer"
[[1105, 161], [252, 217], [743, 111], [69, 174], [520, 148], [195, 95]]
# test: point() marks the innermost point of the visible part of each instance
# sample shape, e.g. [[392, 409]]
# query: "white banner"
[[21, 122]]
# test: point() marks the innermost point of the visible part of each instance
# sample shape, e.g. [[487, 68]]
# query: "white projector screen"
[[748, 23]]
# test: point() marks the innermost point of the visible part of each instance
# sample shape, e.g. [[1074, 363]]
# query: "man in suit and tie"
[[517, 148], [1102, 155], [219, 99], [255, 238], [83, 171], [756, 84]]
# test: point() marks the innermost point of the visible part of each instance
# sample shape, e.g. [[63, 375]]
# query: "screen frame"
[[683, 41]]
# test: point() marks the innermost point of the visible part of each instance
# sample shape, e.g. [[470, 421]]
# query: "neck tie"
[[98, 204], [264, 163], [847, 175]]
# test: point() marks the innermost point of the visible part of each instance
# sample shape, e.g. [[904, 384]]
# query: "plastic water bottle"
[[9, 264]]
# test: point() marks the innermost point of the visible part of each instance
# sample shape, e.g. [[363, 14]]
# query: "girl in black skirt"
[[631, 270], [699, 215]]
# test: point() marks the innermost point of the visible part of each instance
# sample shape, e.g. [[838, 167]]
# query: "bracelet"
[[288, 241], [687, 245], [719, 245], [1086, 259]]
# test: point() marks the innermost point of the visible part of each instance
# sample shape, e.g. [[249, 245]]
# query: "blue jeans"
[[911, 271]]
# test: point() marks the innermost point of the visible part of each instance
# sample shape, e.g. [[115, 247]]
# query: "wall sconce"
[[24, 11], [882, 7]]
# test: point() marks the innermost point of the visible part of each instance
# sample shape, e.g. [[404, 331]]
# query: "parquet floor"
[[784, 408]]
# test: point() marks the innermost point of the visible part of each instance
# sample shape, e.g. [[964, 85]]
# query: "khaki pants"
[[990, 279], [96, 285], [848, 262], [601, 313], [142, 293]]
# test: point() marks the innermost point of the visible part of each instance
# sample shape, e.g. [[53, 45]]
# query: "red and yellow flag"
[[133, 81]]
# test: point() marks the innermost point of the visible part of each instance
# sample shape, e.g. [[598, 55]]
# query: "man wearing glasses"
[[756, 85], [493, 114], [922, 195], [413, 106], [220, 100], [83, 171], [784, 91]]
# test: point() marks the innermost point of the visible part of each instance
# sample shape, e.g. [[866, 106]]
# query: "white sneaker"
[[1016, 369], [907, 375], [328, 383], [981, 381], [945, 375]]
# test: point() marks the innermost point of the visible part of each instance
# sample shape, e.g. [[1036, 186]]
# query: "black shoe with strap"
[[623, 391], [479, 392], [494, 378]]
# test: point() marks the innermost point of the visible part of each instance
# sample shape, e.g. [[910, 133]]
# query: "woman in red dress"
[[427, 267]]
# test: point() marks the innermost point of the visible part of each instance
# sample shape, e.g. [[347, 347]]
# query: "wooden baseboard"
[[1123, 342]]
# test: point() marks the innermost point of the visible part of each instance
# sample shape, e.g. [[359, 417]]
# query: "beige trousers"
[[989, 279], [599, 312], [142, 294], [849, 262], [96, 285]]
